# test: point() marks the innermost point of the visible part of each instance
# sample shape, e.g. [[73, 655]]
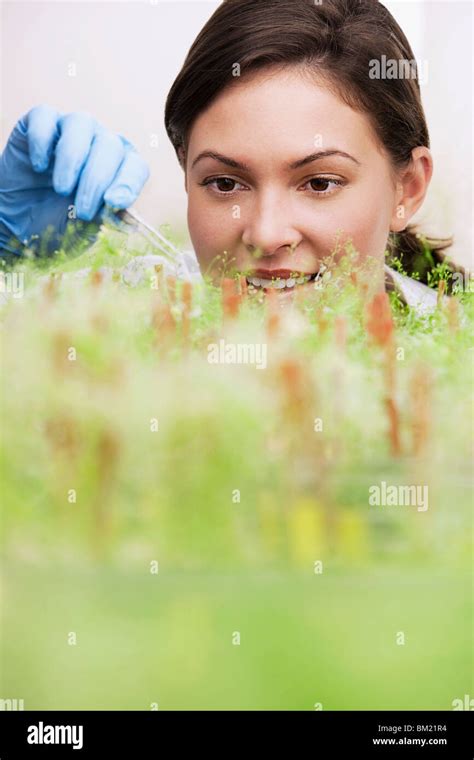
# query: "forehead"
[[284, 113]]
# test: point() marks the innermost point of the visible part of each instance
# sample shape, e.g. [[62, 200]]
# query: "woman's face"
[[279, 170]]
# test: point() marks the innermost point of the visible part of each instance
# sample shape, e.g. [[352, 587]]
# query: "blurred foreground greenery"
[[159, 507]]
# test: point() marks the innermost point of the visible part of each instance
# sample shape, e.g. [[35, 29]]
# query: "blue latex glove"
[[60, 168]]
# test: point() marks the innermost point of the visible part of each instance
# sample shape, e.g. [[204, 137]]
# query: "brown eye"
[[323, 186], [320, 184], [225, 184]]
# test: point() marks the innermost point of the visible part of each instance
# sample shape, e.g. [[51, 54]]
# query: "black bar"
[[446, 734]]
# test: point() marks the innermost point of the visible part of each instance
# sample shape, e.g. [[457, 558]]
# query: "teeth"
[[278, 283]]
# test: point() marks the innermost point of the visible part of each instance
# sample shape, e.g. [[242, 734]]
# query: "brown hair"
[[336, 38]]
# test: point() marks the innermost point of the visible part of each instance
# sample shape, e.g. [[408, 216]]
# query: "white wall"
[[441, 34], [127, 54]]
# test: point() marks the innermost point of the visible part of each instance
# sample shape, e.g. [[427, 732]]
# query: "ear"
[[411, 188]]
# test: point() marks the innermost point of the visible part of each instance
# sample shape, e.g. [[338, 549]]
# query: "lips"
[[278, 279]]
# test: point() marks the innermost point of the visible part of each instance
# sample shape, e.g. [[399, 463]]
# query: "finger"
[[129, 181], [105, 157], [77, 133], [42, 133]]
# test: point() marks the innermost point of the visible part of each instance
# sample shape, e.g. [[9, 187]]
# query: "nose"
[[268, 227]]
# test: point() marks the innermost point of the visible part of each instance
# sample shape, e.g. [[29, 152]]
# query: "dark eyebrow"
[[223, 160], [295, 165], [321, 154]]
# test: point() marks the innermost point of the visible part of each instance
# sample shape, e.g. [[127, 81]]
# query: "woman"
[[291, 148]]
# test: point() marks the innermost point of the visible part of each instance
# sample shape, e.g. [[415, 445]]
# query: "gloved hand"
[[60, 168]]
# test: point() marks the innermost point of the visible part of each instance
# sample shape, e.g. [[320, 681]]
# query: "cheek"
[[211, 227], [362, 218]]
